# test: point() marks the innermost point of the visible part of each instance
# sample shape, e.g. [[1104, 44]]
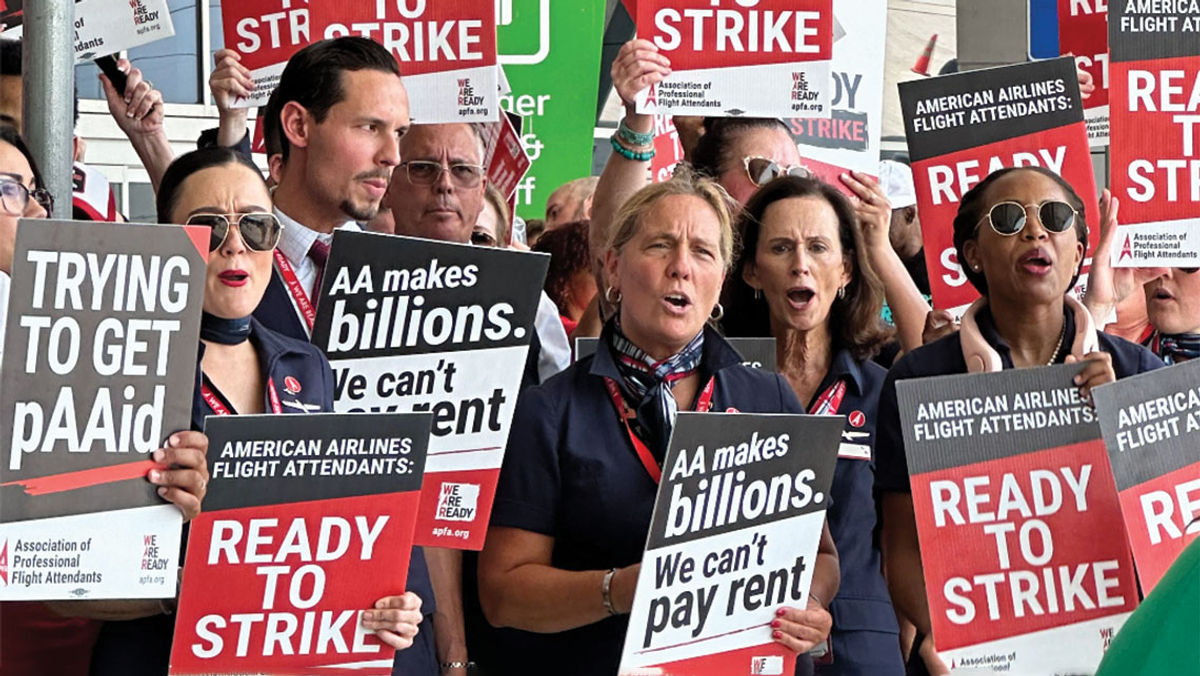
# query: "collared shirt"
[[570, 472], [555, 354], [864, 636], [297, 239]]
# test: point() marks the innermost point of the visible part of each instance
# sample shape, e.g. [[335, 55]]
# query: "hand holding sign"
[[140, 111], [638, 65], [394, 619], [182, 473]]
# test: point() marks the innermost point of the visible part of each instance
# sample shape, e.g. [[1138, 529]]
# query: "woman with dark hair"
[[240, 362], [742, 155], [569, 281], [1021, 236], [576, 493], [804, 278]]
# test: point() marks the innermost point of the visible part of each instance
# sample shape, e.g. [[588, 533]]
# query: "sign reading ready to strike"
[[1018, 519], [308, 521], [99, 369], [718, 47], [962, 127], [1083, 32], [1151, 426], [446, 50], [1155, 152]]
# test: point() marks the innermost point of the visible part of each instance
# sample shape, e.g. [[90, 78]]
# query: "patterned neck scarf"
[[1174, 348], [649, 384]]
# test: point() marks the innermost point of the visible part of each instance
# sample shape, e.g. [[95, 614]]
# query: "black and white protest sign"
[[99, 369], [417, 325], [734, 537]]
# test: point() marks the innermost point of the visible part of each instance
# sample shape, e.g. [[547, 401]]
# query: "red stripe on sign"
[[702, 640], [69, 481]]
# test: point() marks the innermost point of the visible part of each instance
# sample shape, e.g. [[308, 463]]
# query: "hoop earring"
[[717, 313], [608, 296], [841, 292]]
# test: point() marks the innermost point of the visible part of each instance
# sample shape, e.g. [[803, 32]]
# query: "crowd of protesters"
[[743, 241]]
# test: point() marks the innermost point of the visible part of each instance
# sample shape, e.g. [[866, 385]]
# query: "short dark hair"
[[187, 164], [568, 248], [855, 320], [313, 76], [712, 150], [971, 210]]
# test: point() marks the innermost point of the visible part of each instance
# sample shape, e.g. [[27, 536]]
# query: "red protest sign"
[[716, 47], [265, 33], [506, 160], [446, 52], [1015, 508], [668, 151], [308, 522], [962, 127], [1151, 426], [1083, 32]]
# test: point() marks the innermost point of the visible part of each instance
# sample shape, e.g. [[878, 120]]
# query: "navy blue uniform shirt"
[[865, 637], [277, 312], [944, 357], [570, 472]]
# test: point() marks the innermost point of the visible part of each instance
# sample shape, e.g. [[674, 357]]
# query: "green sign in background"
[[551, 55]]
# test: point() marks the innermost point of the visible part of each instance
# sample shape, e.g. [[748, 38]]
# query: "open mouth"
[[677, 300], [801, 296], [234, 276], [1037, 262], [1162, 294]]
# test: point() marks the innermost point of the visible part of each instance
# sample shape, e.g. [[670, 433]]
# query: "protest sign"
[[1015, 510], [1155, 152], [716, 48], [849, 139], [963, 127], [99, 369], [1151, 425], [756, 353], [668, 150], [734, 538], [308, 521], [446, 50], [505, 157], [103, 27], [265, 33], [547, 49], [1083, 32], [417, 325]]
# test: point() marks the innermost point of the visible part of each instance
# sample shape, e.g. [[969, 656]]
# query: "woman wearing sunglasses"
[[244, 367], [1021, 236]]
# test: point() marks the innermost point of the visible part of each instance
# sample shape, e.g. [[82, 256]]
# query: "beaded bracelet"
[[634, 138], [628, 154]]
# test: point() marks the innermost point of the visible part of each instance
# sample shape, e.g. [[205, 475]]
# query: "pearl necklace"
[[1058, 346]]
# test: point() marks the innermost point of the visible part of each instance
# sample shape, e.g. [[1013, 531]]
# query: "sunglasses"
[[1189, 271], [259, 231], [1009, 218], [425, 172], [762, 170], [14, 198]]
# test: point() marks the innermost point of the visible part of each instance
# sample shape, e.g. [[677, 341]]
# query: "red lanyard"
[[830, 400], [214, 402], [294, 287], [703, 405]]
